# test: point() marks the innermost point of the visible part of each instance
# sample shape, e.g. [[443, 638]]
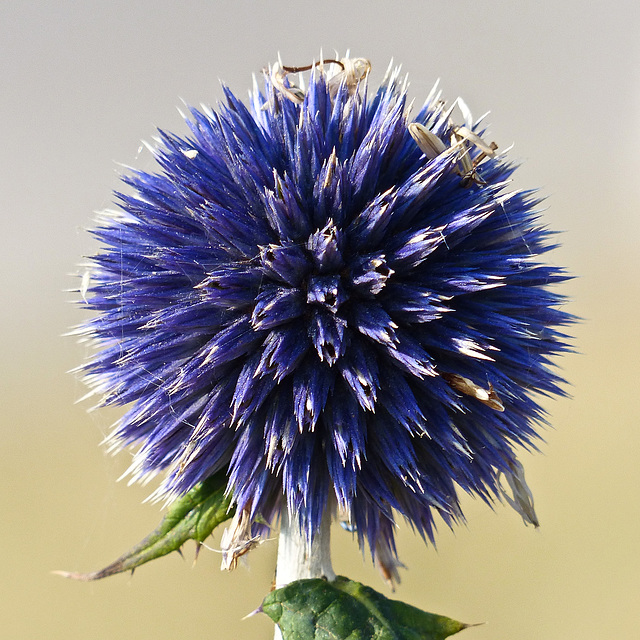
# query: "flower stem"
[[296, 559]]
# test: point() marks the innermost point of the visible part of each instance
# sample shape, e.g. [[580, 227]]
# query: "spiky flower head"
[[332, 299]]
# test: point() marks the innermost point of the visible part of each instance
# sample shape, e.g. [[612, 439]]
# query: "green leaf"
[[192, 517], [345, 610]]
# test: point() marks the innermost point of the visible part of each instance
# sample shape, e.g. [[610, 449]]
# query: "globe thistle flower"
[[335, 301]]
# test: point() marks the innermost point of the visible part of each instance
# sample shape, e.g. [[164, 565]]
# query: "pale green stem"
[[296, 560]]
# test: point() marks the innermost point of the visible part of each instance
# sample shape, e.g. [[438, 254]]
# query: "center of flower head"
[[319, 287], [324, 286]]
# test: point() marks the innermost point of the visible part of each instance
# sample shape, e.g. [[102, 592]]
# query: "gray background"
[[84, 82]]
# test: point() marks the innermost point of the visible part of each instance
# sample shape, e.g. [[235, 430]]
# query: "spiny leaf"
[[345, 610], [192, 517]]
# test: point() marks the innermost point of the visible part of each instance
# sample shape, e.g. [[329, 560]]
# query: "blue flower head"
[[333, 300]]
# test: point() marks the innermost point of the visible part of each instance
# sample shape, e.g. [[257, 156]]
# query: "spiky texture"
[[303, 298]]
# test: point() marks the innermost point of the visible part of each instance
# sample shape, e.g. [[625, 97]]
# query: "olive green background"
[[83, 82]]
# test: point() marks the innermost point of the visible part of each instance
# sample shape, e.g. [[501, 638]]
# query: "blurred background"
[[84, 82]]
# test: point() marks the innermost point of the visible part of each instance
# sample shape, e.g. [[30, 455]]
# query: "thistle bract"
[[332, 299]]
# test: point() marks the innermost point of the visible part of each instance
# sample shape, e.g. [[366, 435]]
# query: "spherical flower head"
[[335, 301]]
